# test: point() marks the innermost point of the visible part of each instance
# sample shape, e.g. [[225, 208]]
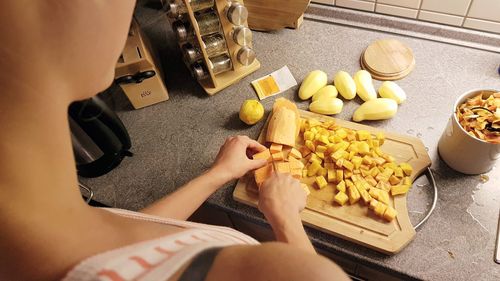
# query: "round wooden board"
[[381, 77], [388, 57], [267, 15]]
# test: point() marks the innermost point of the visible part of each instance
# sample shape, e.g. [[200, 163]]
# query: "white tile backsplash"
[[396, 11], [357, 4], [475, 14], [454, 7], [485, 9], [415, 4], [440, 18], [330, 2], [482, 25]]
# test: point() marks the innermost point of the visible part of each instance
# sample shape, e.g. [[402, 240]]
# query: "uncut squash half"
[[284, 125]]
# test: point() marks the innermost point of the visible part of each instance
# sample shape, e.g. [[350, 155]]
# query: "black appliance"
[[100, 140]]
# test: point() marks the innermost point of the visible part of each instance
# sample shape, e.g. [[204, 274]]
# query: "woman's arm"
[[231, 163], [280, 200]]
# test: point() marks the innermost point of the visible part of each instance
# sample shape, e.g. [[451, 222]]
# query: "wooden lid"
[[388, 59]]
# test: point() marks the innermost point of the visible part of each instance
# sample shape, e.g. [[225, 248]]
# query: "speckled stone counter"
[[178, 139]]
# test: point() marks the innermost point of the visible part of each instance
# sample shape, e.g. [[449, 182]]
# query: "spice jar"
[[214, 44], [208, 23], [179, 8], [220, 64]]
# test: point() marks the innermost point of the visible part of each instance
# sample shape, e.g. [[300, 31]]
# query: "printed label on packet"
[[274, 83]]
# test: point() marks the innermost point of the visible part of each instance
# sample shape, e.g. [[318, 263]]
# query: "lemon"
[[251, 111]]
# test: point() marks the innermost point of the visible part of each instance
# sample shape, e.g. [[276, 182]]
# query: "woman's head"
[[71, 43]]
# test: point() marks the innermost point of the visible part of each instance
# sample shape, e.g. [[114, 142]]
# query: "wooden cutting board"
[[388, 59], [354, 222], [267, 15]]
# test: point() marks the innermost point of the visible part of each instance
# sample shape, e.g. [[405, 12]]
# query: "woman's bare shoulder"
[[272, 261]]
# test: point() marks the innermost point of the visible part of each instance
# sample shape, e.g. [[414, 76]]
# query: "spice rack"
[[192, 18]]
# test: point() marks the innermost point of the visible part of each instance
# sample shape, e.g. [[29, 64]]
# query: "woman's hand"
[[281, 198], [234, 157]]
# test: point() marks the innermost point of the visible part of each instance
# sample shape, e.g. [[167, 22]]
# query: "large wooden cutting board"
[[267, 15], [354, 222]]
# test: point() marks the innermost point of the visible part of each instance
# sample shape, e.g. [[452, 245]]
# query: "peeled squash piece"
[[284, 125], [328, 91], [314, 81], [377, 109], [327, 106], [282, 102], [345, 85], [391, 90], [364, 85]]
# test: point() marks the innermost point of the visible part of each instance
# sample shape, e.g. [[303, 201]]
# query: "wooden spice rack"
[[215, 83]]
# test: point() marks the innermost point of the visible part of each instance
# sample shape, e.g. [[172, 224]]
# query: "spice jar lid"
[[180, 31], [242, 35], [237, 14], [245, 55], [190, 53], [198, 72]]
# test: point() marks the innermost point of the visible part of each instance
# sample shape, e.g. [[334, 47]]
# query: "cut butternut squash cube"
[[278, 156], [341, 198], [320, 148], [374, 192], [282, 167], [374, 172], [313, 169], [304, 151], [341, 186], [383, 196], [295, 154], [407, 181], [322, 172], [383, 186], [263, 173], [315, 158], [398, 172], [308, 135], [399, 189], [407, 168], [356, 160], [323, 139], [313, 122], [310, 145], [363, 135], [353, 194], [348, 165], [320, 154], [365, 197], [390, 213], [394, 180], [339, 175], [320, 182], [295, 164], [367, 160], [342, 133], [371, 181], [380, 209], [331, 175], [347, 174], [373, 204], [296, 173], [276, 148], [363, 148], [266, 154]]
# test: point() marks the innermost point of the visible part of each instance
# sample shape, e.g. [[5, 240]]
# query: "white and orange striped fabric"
[[156, 259]]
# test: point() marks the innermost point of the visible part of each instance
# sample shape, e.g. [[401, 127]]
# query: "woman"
[[55, 52]]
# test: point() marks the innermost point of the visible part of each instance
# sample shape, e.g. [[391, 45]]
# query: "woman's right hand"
[[281, 197]]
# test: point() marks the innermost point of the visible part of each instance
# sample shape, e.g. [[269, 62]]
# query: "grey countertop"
[[178, 139]]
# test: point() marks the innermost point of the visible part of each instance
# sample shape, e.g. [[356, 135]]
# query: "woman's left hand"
[[234, 157]]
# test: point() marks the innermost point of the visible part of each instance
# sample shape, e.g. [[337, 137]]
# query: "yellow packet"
[[274, 83]]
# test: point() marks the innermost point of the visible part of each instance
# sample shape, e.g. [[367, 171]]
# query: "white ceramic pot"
[[463, 152]]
